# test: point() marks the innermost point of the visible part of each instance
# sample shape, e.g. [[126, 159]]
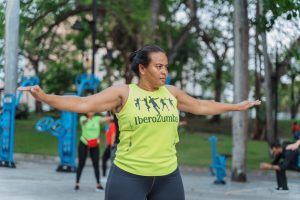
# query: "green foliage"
[[59, 77], [127, 25], [47, 37], [273, 9]]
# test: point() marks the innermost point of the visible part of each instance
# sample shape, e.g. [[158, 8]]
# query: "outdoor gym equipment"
[[168, 79], [66, 126], [27, 81], [86, 82], [218, 166], [64, 129], [7, 123], [7, 129]]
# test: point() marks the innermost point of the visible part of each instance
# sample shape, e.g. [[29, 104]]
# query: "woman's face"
[[157, 70], [90, 114]]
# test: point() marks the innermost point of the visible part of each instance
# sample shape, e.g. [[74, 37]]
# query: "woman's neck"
[[146, 86]]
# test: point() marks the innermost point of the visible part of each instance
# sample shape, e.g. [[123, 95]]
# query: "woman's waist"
[[147, 166]]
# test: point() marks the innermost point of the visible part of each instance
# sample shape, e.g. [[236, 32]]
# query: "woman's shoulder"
[[122, 89], [121, 86], [173, 90]]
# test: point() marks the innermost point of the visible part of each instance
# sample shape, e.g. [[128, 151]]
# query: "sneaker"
[[99, 188], [280, 190], [76, 187]]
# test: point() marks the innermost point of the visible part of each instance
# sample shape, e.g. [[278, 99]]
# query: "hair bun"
[[132, 56]]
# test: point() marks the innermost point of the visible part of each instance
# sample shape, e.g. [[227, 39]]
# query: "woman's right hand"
[[35, 91]]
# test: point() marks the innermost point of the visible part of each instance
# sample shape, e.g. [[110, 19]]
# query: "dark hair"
[[141, 56], [275, 144]]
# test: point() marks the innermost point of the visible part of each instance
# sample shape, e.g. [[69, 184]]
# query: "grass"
[[193, 149], [30, 141], [201, 124]]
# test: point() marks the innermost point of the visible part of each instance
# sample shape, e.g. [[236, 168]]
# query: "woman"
[[89, 142], [145, 165]]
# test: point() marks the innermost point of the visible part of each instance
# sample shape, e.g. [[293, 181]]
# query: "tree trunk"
[[217, 87], [275, 83], [268, 84], [257, 132], [240, 119], [38, 104], [180, 40], [155, 10], [12, 19], [38, 107], [292, 95]]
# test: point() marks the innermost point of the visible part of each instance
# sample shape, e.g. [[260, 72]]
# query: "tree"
[[268, 84], [294, 72], [217, 41], [277, 8], [240, 119]]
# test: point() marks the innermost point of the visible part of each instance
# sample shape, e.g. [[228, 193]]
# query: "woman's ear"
[[141, 69]]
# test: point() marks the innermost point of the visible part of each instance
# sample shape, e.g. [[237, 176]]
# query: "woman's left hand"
[[245, 105]]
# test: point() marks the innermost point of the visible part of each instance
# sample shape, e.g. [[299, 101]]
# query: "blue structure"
[[65, 127], [218, 166], [7, 123], [27, 81], [86, 82], [168, 80], [7, 130]]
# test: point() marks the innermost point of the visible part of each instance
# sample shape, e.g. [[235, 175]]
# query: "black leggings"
[[105, 157], [127, 186], [281, 177], [82, 155]]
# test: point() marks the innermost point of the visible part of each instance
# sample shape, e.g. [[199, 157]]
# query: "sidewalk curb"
[[35, 158]]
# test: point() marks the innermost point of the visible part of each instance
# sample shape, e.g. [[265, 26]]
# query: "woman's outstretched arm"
[[108, 99], [189, 104]]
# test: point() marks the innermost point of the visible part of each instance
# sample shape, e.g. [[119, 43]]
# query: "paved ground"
[[37, 180]]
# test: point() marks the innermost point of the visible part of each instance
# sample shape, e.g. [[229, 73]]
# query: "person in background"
[[283, 160], [296, 131], [89, 143], [110, 139]]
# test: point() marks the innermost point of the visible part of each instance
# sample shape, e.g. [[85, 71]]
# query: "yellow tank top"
[[148, 125]]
